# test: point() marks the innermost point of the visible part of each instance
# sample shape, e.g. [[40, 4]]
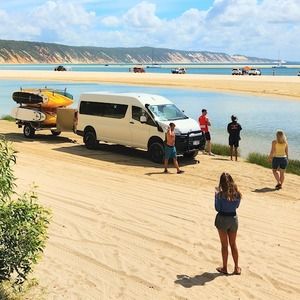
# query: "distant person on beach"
[[170, 149], [234, 129], [204, 124], [279, 157], [227, 200]]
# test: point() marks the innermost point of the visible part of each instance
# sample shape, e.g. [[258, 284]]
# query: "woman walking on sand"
[[227, 200], [279, 157]]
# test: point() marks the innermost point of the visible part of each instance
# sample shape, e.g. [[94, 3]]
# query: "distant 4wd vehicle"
[[60, 68], [236, 71], [254, 72], [178, 71], [138, 70]]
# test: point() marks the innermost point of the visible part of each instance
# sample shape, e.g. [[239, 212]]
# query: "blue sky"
[[261, 28]]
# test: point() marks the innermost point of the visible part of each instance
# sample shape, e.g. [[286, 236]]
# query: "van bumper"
[[194, 140]]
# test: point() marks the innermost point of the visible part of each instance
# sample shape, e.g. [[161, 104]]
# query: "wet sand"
[[279, 86]]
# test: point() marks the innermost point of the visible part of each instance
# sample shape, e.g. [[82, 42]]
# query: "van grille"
[[188, 142]]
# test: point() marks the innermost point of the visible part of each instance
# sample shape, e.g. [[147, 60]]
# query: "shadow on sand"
[[220, 158], [188, 282], [43, 137], [264, 190], [121, 155], [105, 152]]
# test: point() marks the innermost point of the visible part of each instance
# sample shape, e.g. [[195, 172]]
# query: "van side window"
[[137, 112], [109, 110]]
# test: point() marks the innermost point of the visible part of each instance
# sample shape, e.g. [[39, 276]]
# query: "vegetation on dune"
[[37, 52], [257, 158], [30, 290], [4, 294], [294, 166], [262, 160], [220, 149], [23, 226], [8, 118]]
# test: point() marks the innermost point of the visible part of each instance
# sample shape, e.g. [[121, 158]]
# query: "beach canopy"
[[247, 68]]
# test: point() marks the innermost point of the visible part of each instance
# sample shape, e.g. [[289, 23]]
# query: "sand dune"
[[122, 229], [285, 86]]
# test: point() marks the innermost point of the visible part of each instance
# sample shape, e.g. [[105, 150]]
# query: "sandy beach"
[[121, 229], [279, 86]]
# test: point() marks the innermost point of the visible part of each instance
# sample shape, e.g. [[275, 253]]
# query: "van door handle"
[[131, 122]]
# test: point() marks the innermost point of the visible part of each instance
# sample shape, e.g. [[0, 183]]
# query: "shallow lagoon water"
[[192, 68], [260, 117]]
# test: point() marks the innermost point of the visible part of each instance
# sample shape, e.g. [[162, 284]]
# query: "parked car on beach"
[[137, 70], [60, 68], [236, 71], [178, 71], [254, 72], [136, 120]]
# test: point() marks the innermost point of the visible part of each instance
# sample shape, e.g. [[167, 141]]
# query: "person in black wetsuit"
[[234, 129]]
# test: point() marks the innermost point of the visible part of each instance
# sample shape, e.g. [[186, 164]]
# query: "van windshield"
[[167, 112]]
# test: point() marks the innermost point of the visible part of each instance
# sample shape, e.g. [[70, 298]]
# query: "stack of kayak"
[[40, 105]]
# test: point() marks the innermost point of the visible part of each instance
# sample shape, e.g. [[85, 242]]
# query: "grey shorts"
[[227, 223]]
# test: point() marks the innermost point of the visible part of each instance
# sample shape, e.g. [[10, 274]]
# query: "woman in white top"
[[279, 157]]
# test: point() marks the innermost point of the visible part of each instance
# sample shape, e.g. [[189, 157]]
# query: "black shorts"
[[227, 223], [234, 142], [207, 136], [279, 163]]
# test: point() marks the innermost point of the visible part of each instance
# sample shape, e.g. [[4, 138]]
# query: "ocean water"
[[260, 117], [220, 69]]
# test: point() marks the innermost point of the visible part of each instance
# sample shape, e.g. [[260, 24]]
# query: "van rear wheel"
[[90, 140], [55, 132], [156, 152]]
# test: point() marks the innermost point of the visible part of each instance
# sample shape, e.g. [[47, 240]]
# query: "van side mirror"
[[143, 119]]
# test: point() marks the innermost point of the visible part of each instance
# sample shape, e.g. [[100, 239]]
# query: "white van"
[[136, 120]]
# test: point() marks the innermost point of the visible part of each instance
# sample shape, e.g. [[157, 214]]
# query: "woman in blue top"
[[227, 200]]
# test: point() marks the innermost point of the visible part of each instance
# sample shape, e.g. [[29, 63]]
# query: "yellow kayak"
[[44, 98], [50, 119]]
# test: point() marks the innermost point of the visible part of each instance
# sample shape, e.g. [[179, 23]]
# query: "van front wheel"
[[90, 140], [191, 154], [156, 152]]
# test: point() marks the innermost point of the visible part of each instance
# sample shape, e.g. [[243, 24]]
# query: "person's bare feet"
[[237, 271], [222, 270]]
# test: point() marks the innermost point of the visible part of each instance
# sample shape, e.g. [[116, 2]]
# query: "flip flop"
[[238, 271], [221, 270]]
